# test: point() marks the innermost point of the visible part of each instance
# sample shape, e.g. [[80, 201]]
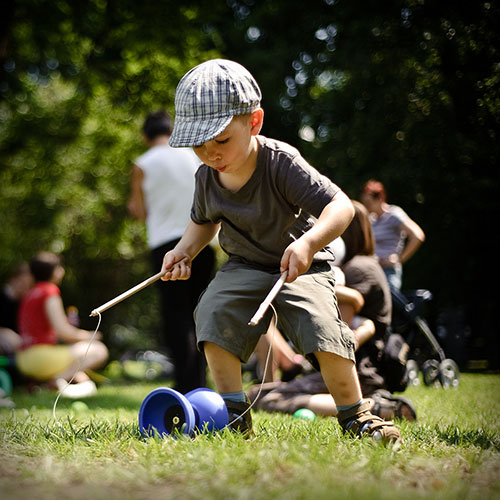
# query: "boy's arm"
[[177, 262], [331, 223]]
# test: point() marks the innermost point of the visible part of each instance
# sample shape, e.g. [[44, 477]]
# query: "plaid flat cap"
[[207, 98]]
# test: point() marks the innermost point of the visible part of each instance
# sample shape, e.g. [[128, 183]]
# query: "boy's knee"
[[216, 352], [326, 359]]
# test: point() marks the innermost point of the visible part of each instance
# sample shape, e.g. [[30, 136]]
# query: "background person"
[[19, 280], [53, 350], [162, 188], [397, 237]]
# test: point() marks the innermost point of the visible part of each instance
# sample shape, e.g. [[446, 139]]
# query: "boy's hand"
[[177, 266], [297, 259]]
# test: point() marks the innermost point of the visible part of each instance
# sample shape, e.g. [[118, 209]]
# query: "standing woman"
[[397, 237]]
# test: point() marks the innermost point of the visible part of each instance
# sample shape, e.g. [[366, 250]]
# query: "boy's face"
[[230, 151]]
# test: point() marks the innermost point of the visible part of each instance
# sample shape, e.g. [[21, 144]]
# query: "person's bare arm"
[[136, 204], [415, 237], [364, 331], [331, 223], [10, 341], [177, 262], [350, 296], [65, 331]]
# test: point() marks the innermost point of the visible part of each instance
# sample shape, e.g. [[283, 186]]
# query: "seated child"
[[276, 213], [53, 349]]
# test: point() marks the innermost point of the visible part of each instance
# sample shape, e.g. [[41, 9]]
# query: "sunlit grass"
[[452, 451]]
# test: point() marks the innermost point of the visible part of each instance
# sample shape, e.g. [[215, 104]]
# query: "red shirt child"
[[34, 325]]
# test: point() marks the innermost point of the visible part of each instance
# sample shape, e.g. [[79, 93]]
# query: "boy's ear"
[[256, 121]]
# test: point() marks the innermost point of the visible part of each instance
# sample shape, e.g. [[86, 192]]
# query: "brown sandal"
[[360, 421]]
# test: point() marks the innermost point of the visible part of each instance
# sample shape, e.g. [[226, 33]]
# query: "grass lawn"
[[451, 452]]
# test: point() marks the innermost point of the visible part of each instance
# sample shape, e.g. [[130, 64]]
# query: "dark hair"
[[157, 123], [18, 269], [358, 237], [43, 264]]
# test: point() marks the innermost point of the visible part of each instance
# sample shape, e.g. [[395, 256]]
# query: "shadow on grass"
[[479, 437], [454, 436]]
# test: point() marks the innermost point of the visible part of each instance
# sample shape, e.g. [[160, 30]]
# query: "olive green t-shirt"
[[279, 203]]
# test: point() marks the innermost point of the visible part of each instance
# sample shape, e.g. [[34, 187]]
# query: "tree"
[[77, 80], [403, 91]]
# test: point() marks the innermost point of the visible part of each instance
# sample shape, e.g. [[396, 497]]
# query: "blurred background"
[[406, 92]]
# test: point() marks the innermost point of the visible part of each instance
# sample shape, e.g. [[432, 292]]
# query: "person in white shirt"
[[162, 188]]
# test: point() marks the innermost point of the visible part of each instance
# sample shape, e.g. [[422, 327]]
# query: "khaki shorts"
[[307, 312], [44, 361]]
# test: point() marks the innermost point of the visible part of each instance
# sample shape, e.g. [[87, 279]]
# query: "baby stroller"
[[425, 353]]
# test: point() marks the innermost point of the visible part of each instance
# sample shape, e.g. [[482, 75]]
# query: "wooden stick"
[[267, 301], [128, 293]]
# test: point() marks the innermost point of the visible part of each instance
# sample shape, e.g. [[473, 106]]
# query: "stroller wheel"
[[430, 371], [448, 373], [412, 372]]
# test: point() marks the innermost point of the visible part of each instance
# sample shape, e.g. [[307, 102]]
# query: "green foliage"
[[78, 79], [406, 91]]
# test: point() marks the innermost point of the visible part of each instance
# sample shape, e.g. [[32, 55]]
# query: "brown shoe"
[[359, 421]]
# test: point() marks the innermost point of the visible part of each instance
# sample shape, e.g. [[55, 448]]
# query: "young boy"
[[275, 212]]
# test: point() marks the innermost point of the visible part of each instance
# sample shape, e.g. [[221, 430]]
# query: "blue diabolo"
[[166, 411]]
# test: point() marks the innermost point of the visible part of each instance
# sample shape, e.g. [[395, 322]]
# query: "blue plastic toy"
[[167, 412]]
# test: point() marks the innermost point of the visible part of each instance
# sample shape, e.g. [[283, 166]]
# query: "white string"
[[77, 370], [265, 368], [230, 423]]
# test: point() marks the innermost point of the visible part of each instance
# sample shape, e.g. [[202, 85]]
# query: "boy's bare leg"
[[341, 378], [225, 368]]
